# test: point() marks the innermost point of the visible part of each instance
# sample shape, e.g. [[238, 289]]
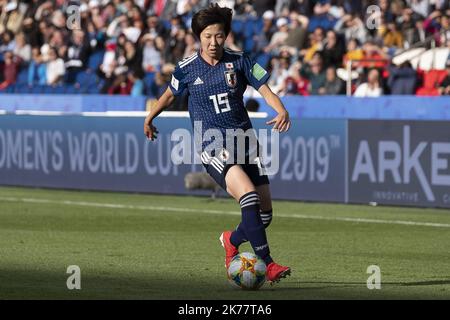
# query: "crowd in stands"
[[311, 47]]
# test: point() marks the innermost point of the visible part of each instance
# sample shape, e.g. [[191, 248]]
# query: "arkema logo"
[[399, 158]]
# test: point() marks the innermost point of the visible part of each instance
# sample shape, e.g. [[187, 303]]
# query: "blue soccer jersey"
[[216, 92]]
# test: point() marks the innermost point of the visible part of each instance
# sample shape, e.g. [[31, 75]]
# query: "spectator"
[[373, 55], [162, 80], [133, 58], [121, 85], [56, 41], [313, 71], [297, 31], [392, 37], [418, 34], [352, 27], [96, 34], [262, 38], [10, 69], [77, 55], [37, 70], [279, 37], [333, 85], [191, 46], [176, 47], [406, 23], [371, 88], [332, 51], [321, 17], [402, 79], [444, 87], [55, 67], [295, 84], [151, 57], [316, 40], [262, 6], [155, 28], [7, 42], [421, 7], [11, 17], [230, 43], [32, 33], [354, 53], [137, 84], [22, 49], [280, 71]]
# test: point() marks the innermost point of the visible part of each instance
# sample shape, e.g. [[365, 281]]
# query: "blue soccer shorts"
[[217, 168]]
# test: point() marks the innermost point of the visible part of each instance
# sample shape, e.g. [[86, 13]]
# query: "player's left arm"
[[281, 122]]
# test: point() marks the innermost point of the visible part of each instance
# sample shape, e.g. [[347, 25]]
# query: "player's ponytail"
[[212, 15]]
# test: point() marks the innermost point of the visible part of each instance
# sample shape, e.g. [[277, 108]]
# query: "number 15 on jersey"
[[221, 103]]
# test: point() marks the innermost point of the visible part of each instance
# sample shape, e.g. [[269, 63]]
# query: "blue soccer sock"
[[238, 235], [266, 217], [253, 227]]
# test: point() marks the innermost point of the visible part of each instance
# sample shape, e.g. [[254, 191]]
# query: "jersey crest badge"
[[231, 78]]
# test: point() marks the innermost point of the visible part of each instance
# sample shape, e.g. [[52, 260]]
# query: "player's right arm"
[[176, 87], [163, 102]]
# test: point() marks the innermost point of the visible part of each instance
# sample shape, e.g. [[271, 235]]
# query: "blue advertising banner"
[[112, 153], [384, 107], [71, 103], [399, 162]]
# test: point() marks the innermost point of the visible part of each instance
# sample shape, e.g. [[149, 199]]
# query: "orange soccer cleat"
[[275, 272], [230, 250]]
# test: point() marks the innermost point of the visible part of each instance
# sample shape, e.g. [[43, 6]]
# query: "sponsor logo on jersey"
[[198, 81]]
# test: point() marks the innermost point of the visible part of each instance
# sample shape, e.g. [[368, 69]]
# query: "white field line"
[[236, 213]]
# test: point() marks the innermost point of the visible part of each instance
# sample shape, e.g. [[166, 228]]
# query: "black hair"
[[212, 15]]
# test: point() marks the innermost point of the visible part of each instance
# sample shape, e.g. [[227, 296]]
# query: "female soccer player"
[[216, 79]]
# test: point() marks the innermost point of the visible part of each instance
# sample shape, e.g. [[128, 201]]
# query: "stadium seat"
[[47, 89], [431, 81], [93, 90], [10, 89], [263, 59], [237, 27], [248, 30], [22, 76], [36, 89], [22, 88], [249, 45], [95, 59], [59, 89], [70, 89], [258, 25]]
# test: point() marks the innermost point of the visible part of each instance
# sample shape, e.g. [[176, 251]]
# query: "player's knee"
[[266, 217]]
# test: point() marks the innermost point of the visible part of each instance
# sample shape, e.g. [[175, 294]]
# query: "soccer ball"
[[247, 271]]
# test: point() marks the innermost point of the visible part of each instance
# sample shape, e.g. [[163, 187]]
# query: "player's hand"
[[150, 130], [281, 122]]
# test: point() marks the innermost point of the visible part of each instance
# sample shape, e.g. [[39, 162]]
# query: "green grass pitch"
[[134, 246]]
